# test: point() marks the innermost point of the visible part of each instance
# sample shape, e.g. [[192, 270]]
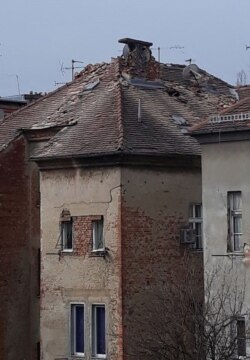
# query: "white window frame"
[[95, 223], [94, 330], [232, 215], [65, 223], [73, 329], [193, 220]]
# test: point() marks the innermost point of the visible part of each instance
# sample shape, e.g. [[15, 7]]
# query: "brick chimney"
[[138, 59]]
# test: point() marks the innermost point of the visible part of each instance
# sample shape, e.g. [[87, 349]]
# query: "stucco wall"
[[143, 211], [68, 278], [225, 167], [155, 204]]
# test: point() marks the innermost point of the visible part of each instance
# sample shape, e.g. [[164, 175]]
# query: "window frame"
[[232, 215], [63, 224], [96, 249], [239, 340], [94, 330], [193, 220], [73, 351]]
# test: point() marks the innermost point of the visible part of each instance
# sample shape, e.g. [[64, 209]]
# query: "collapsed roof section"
[[116, 108]]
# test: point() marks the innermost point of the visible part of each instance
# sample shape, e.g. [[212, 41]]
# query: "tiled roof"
[[228, 120], [243, 91], [105, 111]]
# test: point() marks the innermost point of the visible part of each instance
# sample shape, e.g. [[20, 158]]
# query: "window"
[[195, 221], [238, 331], [66, 235], [98, 331], [241, 336], [66, 230], [77, 329], [98, 240], [234, 204]]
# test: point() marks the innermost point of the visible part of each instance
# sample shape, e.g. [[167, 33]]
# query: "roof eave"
[[118, 158], [222, 135]]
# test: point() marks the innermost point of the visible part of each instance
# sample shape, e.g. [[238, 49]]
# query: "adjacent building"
[[225, 142], [100, 186]]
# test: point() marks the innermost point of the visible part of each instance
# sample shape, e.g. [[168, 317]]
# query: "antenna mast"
[[72, 67]]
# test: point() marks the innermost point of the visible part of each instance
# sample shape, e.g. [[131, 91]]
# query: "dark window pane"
[[198, 211], [79, 329], [241, 337], [67, 234], [98, 234], [100, 330]]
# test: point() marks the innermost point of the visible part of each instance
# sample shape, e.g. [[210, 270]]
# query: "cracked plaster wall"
[[79, 278]]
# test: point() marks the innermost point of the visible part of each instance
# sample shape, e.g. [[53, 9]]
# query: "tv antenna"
[[59, 83], [72, 67], [159, 49], [189, 61]]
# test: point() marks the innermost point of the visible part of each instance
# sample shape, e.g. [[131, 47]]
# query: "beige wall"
[[143, 211], [68, 278], [225, 167]]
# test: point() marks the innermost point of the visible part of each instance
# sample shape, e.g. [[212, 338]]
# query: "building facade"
[[107, 185], [225, 144]]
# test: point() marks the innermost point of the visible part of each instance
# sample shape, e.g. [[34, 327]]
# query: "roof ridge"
[[120, 110]]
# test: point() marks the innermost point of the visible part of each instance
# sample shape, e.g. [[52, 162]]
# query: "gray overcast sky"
[[37, 35]]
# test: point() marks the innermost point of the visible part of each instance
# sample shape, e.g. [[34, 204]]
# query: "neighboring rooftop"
[[233, 118], [9, 104], [133, 105]]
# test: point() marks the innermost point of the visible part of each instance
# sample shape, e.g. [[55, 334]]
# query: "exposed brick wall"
[[18, 256], [152, 259], [82, 235]]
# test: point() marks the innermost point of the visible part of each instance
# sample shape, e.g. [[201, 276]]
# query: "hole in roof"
[[91, 85], [179, 120]]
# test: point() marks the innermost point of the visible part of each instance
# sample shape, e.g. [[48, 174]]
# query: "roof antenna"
[[72, 67], [189, 61], [18, 85], [59, 83]]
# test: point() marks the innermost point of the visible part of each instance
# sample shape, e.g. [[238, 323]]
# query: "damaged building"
[[100, 185]]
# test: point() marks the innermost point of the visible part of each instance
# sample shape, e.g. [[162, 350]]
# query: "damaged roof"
[[108, 109], [233, 118]]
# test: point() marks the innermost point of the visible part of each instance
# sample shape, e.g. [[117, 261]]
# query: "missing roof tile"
[[90, 86], [179, 120]]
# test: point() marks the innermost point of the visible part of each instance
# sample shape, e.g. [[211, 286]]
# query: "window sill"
[[196, 250], [98, 253], [235, 253]]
